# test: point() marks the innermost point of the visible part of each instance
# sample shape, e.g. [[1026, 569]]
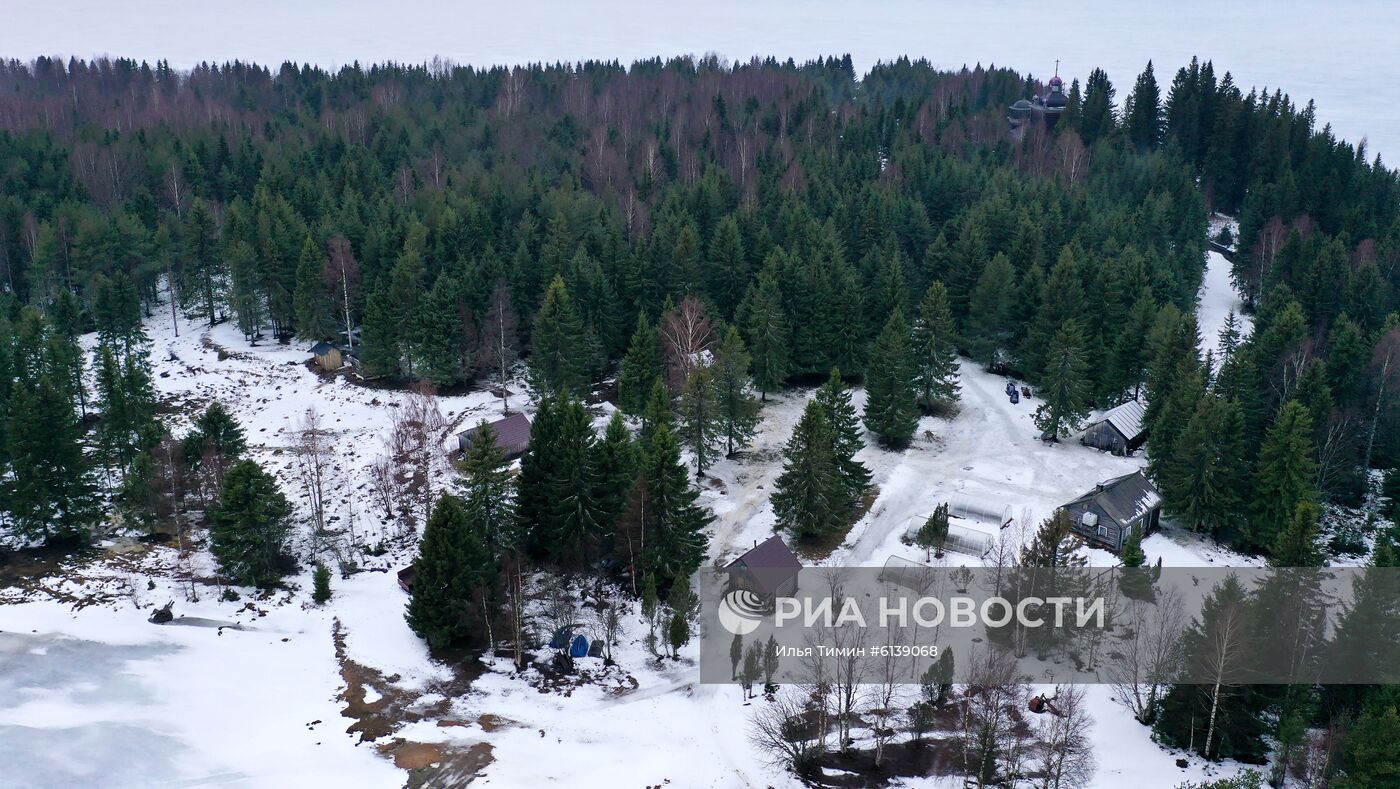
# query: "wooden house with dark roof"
[[1106, 515], [768, 569]]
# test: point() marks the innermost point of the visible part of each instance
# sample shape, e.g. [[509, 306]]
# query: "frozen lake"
[[1340, 53]]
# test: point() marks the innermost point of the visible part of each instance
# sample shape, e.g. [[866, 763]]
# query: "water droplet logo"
[[741, 612]]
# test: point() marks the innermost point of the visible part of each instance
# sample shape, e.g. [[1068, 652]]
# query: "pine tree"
[[436, 337], [1096, 118], [1371, 751], [251, 527], [935, 351], [1229, 338], [310, 301], [558, 358], [1064, 386], [701, 422], [891, 404], [934, 532], [1296, 545], [640, 367], [1135, 581], [1204, 477], [1347, 358], [835, 402], [738, 410], [766, 329], [811, 498], [49, 491], [1285, 474]]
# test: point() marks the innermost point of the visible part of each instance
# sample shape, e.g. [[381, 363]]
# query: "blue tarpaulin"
[[579, 647]]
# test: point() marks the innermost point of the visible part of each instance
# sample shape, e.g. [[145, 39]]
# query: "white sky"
[[1341, 53]]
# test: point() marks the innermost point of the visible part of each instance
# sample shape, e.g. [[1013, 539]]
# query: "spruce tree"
[[891, 404], [990, 318], [559, 357], [766, 328], [321, 585], [835, 402], [1296, 545], [311, 302], [251, 525], [701, 425], [615, 465], [381, 350], [657, 413], [245, 296], [738, 410], [935, 351], [1143, 111], [811, 498], [452, 574], [488, 489], [49, 489], [1064, 386], [675, 525], [640, 367], [574, 531], [435, 337], [1285, 475], [727, 268], [535, 488]]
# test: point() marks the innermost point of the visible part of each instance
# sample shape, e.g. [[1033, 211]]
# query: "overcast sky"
[[1341, 53]]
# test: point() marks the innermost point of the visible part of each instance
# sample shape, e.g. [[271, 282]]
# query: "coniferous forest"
[[684, 238]]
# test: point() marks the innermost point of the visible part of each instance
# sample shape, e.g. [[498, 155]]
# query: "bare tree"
[[498, 340], [993, 691], [343, 272], [1066, 747], [687, 332], [783, 732], [609, 619], [1147, 660], [313, 452]]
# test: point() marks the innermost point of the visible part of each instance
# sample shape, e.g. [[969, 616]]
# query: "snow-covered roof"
[[1124, 498], [1126, 418]]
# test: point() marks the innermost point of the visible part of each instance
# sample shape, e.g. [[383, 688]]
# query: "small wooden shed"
[[327, 356], [1120, 430], [768, 569]]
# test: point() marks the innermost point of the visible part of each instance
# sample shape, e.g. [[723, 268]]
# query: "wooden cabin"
[[1120, 430], [1106, 515]]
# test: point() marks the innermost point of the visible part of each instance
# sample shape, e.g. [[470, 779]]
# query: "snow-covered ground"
[[106, 698]]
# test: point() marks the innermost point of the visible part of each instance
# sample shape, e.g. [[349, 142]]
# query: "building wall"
[[1104, 436]]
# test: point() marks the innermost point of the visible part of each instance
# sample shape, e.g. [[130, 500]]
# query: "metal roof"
[[1126, 418], [771, 564], [322, 348], [511, 431], [1124, 498]]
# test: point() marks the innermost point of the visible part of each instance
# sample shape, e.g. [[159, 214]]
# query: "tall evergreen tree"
[[573, 534], [675, 530], [766, 329], [738, 410], [488, 489], [310, 300], [615, 465], [49, 490], [935, 351], [1064, 386], [701, 423], [811, 498], [1296, 545], [1143, 111], [559, 359], [835, 401], [891, 404], [989, 324], [1285, 475], [453, 571], [251, 527], [640, 367]]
